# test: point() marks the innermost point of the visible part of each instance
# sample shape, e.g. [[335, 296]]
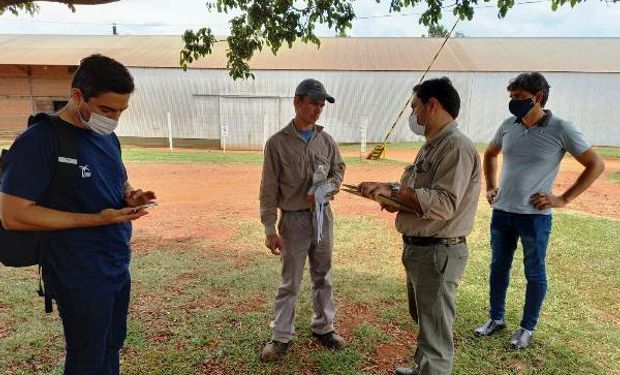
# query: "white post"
[[170, 131], [265, 129], [223, 135], [363, 128]]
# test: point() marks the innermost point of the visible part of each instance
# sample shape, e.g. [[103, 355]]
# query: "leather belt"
[[311, 209], [429, 241]]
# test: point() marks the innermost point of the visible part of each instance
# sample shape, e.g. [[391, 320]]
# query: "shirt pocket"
[[422, 174], [292, 167]]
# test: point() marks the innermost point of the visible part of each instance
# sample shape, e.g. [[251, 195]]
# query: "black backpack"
[[25, 248]]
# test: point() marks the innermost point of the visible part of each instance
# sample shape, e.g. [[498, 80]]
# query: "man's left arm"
[[137, 197], [593, 167], [336, 172]]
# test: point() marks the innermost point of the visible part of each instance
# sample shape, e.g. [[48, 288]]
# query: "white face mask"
[[99, 124], [416, 128]]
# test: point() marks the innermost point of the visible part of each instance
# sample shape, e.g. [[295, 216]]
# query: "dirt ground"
[[206, 200]]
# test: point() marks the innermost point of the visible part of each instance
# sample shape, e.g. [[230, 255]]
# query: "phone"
[[145, 206]]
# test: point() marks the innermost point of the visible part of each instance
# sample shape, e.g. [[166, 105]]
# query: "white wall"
[[200, 101]]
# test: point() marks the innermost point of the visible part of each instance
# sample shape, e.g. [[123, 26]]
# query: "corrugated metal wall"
[[201, 101]]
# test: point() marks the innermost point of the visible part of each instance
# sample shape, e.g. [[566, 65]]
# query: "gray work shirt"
[[289, 164], [531, 160], [446, 180]]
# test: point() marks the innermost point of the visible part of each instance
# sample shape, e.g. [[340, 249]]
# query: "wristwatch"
[[394, 188]]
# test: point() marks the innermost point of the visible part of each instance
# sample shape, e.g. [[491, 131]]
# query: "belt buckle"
[[452, 241]]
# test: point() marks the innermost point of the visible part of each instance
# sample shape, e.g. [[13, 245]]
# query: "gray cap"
[[314, 89]]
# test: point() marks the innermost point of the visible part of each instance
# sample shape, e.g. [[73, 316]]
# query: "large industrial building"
[[371, 79]]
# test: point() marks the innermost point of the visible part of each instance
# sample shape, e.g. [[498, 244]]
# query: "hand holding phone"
[[145, 206]]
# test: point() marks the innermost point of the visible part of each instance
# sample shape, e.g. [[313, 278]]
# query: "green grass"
[[614, 177], [145, 155], [608, 152], [204, 307]]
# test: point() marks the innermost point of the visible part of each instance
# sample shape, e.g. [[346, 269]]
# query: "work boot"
[[330, 340], [274, 350], [521, 339], [406, 371], [490, 327]]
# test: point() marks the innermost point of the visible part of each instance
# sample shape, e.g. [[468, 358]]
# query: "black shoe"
[[490, 327], [406, 371], [330, 340]]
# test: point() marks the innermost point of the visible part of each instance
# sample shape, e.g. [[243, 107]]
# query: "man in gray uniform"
[[533, 143], [441, 190], [299, 158]]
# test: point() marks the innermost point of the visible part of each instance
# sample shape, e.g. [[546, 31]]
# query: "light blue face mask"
[[416, 128]]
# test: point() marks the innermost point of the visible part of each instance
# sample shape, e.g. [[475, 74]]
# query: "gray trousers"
[[296, 232], [433, 273]]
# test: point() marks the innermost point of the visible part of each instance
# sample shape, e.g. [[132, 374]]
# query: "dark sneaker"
[[406, 371], [274, 350], [521, 339], [490, 327], [330, 340]]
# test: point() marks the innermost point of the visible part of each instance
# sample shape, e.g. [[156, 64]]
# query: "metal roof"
[[348, 54]]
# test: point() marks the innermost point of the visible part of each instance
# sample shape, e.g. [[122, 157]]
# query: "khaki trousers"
[[297, 232], [433, 273]]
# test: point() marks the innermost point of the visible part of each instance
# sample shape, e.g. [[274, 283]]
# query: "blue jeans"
[[94, 319], [506, 229]]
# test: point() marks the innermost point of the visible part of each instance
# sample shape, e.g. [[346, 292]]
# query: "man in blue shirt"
[[533, 143], [86, 260]]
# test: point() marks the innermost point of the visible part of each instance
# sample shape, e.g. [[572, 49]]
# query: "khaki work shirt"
[[446, 180], [289, 165]]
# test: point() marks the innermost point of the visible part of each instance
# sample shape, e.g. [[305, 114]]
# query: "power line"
[[128, 24], [445, 7]]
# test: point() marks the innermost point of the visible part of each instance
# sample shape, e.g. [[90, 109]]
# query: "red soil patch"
[[207, 201]]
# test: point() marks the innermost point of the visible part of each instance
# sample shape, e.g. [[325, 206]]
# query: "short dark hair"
[[533, 83], [442, 90], [98, 74]]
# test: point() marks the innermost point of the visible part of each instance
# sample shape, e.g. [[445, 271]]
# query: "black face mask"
[[520, 107]]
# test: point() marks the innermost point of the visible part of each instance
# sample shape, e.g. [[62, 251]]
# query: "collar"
[[290, 129], [448, 129], [544, 121]]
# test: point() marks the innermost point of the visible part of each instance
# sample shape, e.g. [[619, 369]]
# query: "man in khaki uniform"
[[299, 158], [441, 190]]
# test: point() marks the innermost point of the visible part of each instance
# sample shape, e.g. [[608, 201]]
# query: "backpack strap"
[[66, 162], [62, 181]]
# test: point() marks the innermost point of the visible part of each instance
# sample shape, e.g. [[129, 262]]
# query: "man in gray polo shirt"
[[533, 143], [299, 158], [441, 190]]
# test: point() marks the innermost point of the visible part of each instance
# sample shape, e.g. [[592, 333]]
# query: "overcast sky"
[[532, 18]]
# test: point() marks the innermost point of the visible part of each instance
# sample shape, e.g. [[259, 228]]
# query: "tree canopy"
[[259, 24]]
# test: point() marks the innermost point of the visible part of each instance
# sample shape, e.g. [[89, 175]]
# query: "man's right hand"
[[273, 243], [123, 215], [491, 195]]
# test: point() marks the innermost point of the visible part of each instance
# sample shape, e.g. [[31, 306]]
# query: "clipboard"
[[387, 201]]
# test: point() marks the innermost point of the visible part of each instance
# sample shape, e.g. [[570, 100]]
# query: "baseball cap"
[[314, 89]]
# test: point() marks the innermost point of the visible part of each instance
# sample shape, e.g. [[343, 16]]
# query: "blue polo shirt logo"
[[85, 171]]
